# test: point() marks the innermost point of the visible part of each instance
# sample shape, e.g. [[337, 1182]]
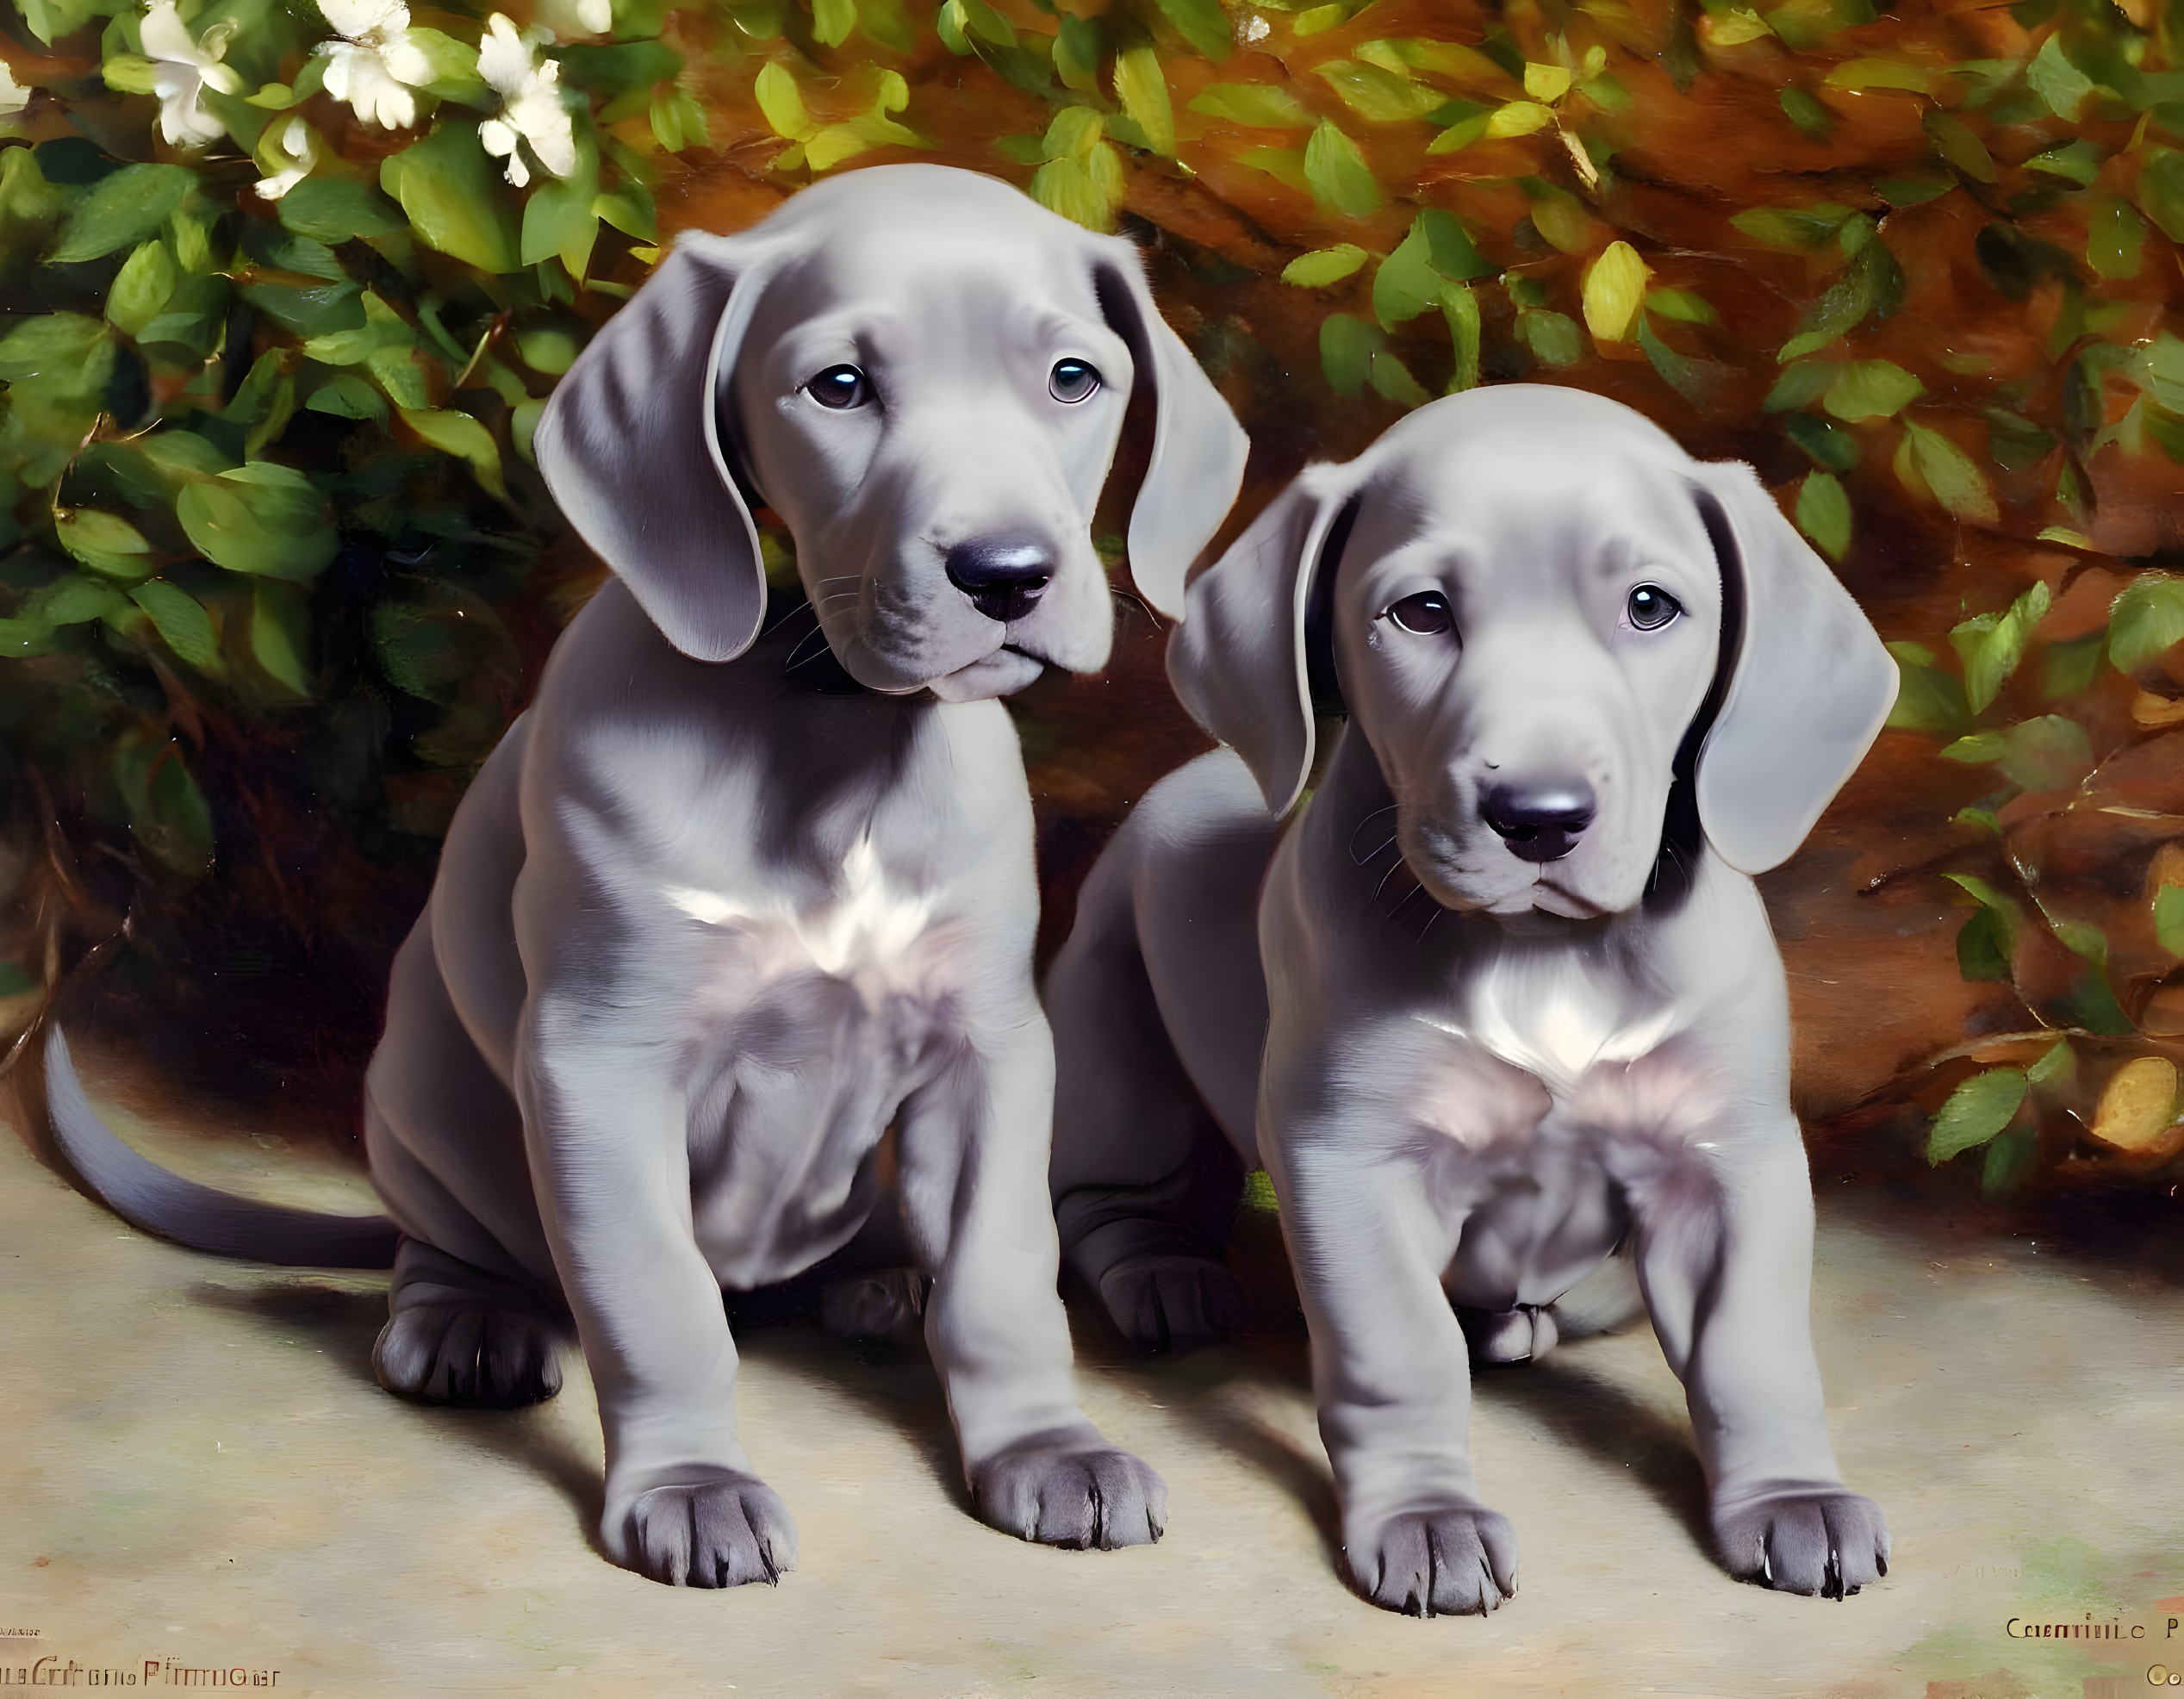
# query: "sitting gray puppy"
[[712, 918], [1519, 1005]]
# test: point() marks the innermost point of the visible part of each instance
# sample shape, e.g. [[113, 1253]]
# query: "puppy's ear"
[[1810, 686], [1240, 660], [630, 445], [1198, 449]]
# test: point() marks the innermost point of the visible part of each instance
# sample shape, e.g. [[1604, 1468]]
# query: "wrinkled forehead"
[[956, 273], [1559, 495]]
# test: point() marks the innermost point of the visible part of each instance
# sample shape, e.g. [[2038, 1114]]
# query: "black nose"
[[1004, 576], [1541, 821]]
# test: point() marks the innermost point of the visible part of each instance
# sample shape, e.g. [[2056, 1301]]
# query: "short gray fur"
[[1483, 1082], [703, 929]]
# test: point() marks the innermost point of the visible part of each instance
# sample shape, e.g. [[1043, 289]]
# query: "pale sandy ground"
[[197, 1468]]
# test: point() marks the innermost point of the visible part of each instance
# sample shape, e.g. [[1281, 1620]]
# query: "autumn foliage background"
[[286, 285]]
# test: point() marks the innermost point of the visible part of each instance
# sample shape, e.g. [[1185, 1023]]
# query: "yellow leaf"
[[1519, 117], [1735, 29], [2138, 1109], [1144, 95], [1548, 83], [1615, 292]]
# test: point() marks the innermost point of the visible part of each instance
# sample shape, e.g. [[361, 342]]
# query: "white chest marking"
[[867, 921], [1556, 1020]]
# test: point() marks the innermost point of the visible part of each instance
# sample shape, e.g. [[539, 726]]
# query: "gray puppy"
[[1520, 1006], [706, 925]]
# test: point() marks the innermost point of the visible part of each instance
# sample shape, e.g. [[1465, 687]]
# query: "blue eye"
[[840, 387], [1650, 608], [1072, 380]]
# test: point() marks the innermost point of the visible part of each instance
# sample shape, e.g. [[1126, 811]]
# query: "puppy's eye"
[[1650, 608], [1072, 380], [1426, 614], [840, 387]]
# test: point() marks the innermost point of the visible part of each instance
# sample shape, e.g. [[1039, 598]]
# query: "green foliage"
[[1975, 1112]]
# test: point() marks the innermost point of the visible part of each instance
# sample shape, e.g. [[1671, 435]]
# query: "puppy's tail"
[[146, 1195]]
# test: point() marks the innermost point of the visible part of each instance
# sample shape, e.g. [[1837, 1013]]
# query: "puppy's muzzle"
[[1004, 576], [1540, 821]]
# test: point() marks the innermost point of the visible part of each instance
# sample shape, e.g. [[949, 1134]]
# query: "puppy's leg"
[[1389, 1371], [606, 1128], [1726, 1259], [974, 1161], [1144, 1182]]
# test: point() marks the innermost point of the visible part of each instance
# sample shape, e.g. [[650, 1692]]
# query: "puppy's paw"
[[1457, 1562], [1823, 1541], [1159, 1301], [722, 1528], [469, 1353], [1074, 1492]]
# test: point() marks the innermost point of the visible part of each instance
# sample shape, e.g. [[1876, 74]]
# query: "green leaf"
[[181, 621], [1927, 698], [459, 434], [1975, 1112], [65, 347], [1202, 24], [1338, 179], [14, 981], [280, 630], [1912, 191], [2146, 620], [1800, 228], [1983, 948], [781, 102], [141, 288], [2169, 918], [1682, 307], [2057, 1066], [122, 209], [1082, 182], [2077, 162], [1552, 337], [1832, 448], [2056, 81], [1322, 266], [2114, 236], [1689, 378], [2069, 667], [559, 219], [2010, 1159], [1143, 92], [167, 812], [1406, 284], [1256, 105], [2047, 754], [456, 198], [262, 519], [1858, 75], [551, 349], [1869, 390], [1459, 307], [1824, 513], [1872, 282], [1076, 52], [345, 396], [832, 21], [452, 67], [338, 209], [1952, 475], [314, 309], [2014, 442], [1991, 644], [1800, 385], [1959, 144], [104, 542], [2160, 192], [1347, 347], [1377, 95], [1803, 108]]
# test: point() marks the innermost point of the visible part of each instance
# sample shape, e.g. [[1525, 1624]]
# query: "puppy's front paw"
[[1163, 1300], [1075, 1493], [722, 1530], [467, 1353], [1823, 1541], [1457, 1562]]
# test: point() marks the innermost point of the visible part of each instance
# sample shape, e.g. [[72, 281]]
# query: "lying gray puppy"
[[1520, 1004], [708, 925]]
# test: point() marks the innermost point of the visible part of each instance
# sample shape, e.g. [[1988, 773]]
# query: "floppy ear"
[[630, 445], [1811, 685], [1240, 662], [1198, 449]]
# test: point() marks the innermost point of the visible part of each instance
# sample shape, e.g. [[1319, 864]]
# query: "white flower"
[[568, 18], [376, 65], [294, 145], [183, 68], [531, 107], [13, 96]]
